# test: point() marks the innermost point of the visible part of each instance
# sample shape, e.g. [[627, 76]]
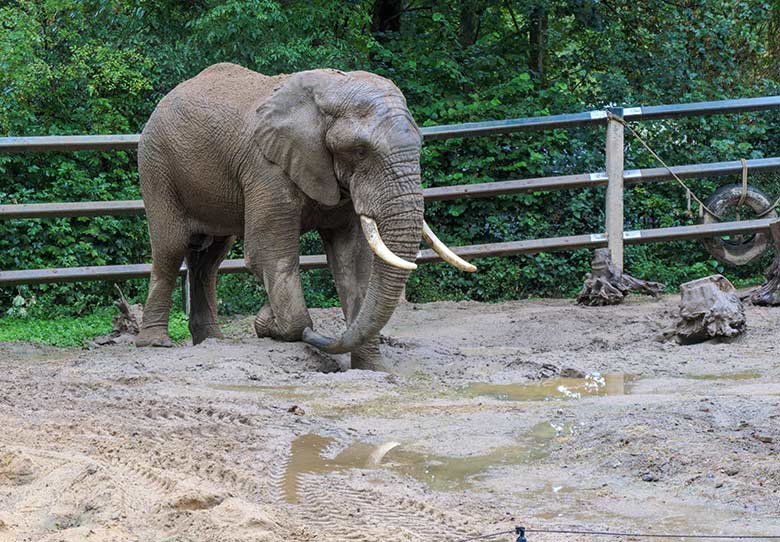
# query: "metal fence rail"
[[613, 179], [440, 193], [432, 133], [509, 248]]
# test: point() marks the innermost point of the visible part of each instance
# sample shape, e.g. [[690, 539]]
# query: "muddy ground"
[[539, 413]]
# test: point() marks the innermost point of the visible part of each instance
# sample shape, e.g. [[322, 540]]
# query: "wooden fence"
[[614, 178]]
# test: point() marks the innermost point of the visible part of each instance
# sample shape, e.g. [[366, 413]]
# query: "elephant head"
[[351, 134]]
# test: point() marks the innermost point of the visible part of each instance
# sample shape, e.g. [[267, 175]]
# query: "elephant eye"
[[360, 151]]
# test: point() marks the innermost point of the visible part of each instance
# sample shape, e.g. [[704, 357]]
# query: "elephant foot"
[[263, 321], [153, 336], [266, 325], [207, 331], [368, 357]]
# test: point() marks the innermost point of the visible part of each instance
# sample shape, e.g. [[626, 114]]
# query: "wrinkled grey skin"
[[233, 153]]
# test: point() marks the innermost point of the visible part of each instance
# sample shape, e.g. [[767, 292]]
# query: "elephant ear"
[[291, 133]]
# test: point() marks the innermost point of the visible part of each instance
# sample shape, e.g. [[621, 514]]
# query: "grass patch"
[[70, 332]]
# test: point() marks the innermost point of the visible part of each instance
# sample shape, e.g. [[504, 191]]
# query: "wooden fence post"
[[614, 204]]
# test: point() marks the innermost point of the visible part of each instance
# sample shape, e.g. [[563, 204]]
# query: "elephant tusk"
[[444, 251], [378, 247]]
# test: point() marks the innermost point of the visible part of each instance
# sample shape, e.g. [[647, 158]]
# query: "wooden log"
[[606, 284], [769, 292], [709, 308]]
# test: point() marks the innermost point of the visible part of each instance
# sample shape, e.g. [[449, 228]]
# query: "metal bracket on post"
[[614, 204]]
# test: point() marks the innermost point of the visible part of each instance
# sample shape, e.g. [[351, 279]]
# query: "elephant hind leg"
[[168, 252], [202, 267]]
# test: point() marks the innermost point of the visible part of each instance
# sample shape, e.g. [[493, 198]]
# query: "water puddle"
[[743, 375], [437, 472], [288, 392], [492, 350], [594, 384]]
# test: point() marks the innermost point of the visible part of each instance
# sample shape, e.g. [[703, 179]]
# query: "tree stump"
[[709, 307], [769, 292], [608, 285], [126, 324]]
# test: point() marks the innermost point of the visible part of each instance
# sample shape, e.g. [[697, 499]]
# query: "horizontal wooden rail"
[[484, 190], [430, 133], [676, 233]]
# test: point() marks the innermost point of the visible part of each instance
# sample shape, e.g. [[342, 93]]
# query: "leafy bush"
[[91, 66]]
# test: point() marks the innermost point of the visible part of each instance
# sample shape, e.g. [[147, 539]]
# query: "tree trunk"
[[773, 30], [467, 34], [537, 40], [386, 16]]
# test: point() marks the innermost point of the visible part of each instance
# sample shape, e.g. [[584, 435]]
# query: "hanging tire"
[[743, 249]]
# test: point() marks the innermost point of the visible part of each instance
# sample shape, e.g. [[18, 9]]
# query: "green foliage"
[[177, 327], [74, 331], [95, 66]]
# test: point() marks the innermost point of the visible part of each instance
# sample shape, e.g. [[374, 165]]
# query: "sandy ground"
[[539, 413]]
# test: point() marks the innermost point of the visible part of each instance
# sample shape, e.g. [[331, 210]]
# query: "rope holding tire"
[[744, 187]]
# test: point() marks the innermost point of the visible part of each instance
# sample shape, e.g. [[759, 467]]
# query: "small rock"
[[193, 500], [295, 409], [731, 471], [763, 438], [719, 485], [647, 477], [15, 469], [570, 372], [547, 370]]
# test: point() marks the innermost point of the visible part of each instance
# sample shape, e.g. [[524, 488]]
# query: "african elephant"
[[233, 153]]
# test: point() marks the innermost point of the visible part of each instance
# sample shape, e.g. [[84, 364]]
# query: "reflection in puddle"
[[593, 384], [306, 457], [437, 472]]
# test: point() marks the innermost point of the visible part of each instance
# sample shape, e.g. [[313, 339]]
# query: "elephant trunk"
[[400, 227]]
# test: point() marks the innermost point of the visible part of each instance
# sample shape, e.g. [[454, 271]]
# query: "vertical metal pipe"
[[185, 293], [614, 204]]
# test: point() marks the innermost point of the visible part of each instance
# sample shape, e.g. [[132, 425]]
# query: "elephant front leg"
[[350, 259], [278, 267]]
